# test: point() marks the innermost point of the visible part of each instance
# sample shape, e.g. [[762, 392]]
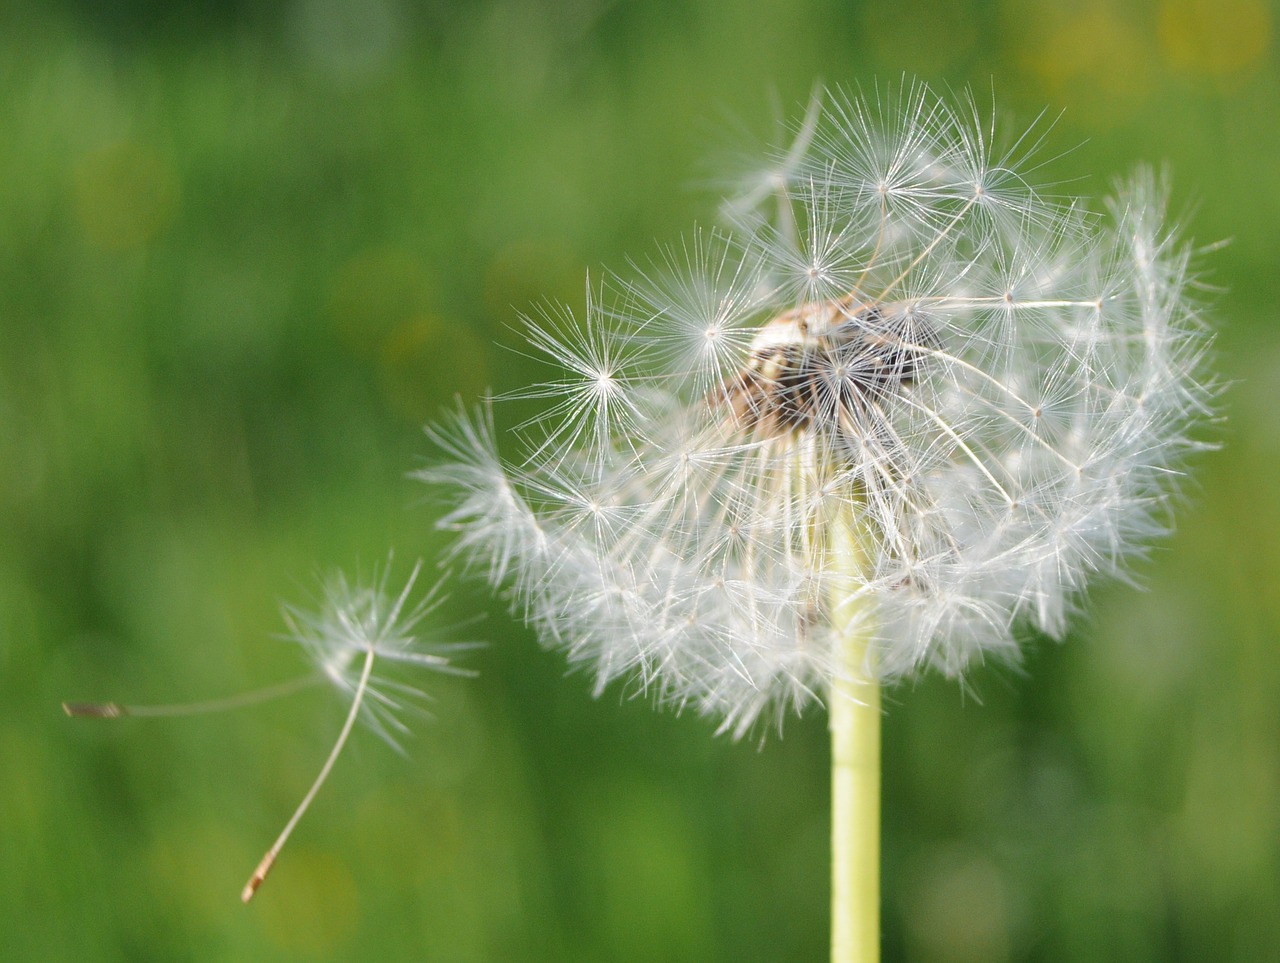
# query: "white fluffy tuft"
[[996, 386]]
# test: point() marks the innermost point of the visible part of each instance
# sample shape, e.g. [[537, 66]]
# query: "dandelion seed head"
[[897, 332]]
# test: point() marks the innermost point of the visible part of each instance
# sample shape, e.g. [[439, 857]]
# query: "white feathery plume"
[[992, 388]]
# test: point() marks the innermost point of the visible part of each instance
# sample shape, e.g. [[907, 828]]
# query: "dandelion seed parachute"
[[992, 386], [358, 628]]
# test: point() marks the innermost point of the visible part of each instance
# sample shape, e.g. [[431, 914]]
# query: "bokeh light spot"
[[426, 361], [958, 909], [1087, 56], [1214, 37], [373, 293], [125, 195], [310, 904], [527, 272], [348, 40]]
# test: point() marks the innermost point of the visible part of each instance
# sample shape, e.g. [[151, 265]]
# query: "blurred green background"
[[247, 249]]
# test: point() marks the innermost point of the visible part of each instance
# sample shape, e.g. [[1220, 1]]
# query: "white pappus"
[[991, 387]]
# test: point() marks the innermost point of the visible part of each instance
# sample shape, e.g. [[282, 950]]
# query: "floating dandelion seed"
[[904, 397], [359, 628]]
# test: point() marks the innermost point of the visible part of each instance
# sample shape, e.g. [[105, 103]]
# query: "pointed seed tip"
[[259, 875], [94, 710]]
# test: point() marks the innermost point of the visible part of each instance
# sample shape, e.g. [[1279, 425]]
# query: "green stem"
[[854, 714]]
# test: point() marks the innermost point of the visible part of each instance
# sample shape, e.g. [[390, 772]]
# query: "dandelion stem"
[[264, 867], [854, 718]]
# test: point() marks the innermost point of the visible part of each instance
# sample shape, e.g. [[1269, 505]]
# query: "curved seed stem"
[[264, 867]]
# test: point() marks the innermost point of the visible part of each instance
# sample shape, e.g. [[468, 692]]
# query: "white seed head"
[[993, 388]]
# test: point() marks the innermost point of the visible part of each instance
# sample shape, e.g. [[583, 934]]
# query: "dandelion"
[[903, 404], [360, 634]]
